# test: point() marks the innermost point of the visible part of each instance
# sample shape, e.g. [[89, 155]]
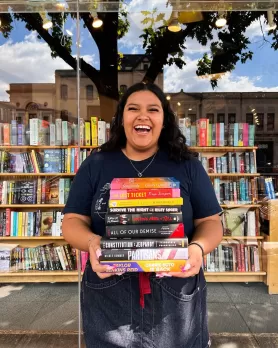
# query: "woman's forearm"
[[209, 234], [77, 232]]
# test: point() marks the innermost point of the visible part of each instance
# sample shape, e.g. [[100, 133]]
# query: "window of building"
[[231, 118], [270, 121], [90, 92], [211, 118], [123, 89], [249, 118], [146, 67], [64, 92], [64, 115], [192, 118], [221, 118], [260, 123]]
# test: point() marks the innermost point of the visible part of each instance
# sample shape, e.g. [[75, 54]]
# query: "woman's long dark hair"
[[171, 139]]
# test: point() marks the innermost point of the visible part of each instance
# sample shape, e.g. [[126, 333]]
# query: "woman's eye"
[[132, 108], [154, 110]]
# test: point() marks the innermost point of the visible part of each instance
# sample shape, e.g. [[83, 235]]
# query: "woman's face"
[[143, 120]]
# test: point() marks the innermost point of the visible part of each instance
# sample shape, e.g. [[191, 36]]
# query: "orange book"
[[143, 183]]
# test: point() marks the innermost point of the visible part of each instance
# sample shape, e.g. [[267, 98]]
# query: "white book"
[[65, 133], [58, 126], [52, 137], [62, 191], [101, 132], [34, 131]]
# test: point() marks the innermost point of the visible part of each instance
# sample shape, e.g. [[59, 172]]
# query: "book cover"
[[143, 183], [141, 193], [145, 202], [143, 231], [145, 266], [147, 218], [52, 161]]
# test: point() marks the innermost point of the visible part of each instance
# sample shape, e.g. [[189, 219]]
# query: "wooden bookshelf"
[[36, 174], [33, 206], [43, 147], [222, 148], [268, 252]]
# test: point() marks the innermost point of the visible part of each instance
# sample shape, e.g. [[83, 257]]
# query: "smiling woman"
[[145, 141]]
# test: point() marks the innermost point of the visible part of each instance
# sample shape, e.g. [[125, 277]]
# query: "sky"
[[24, 58]]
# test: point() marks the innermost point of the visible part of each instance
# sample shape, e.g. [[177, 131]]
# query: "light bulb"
[[174, 26], [97, 23], [221, 22]]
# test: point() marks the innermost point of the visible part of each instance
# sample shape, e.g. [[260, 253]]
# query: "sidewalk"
[[234, 308]]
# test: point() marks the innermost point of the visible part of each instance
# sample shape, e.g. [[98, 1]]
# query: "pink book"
[[144, 193], [245, 134]]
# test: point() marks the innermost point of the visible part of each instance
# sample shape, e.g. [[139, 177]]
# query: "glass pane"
[[39, 157]]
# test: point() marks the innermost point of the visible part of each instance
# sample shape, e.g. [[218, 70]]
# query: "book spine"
[[94, 130], [101, 134], [144, 254], [138, 194], [149, 218], [137, 210], [144, 243], [58, 126], [139, 231], [146, 183], [145, 266], [145, 202]]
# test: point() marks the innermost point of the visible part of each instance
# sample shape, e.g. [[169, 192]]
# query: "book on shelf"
[[233, 257], [37, 132], [37, 223], [37, 191], [204, 133], [48, 257]]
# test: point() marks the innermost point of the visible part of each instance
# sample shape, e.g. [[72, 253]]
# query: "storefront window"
[[64, 67]]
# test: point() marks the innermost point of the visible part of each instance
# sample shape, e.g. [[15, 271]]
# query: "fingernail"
[[119, 274], [98, 253], [159, 275], [187, 267]]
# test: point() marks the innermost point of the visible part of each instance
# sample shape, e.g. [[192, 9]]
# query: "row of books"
[[41, 132], [233, 257], [30, 223], [46, 161], [217, 134], [38, 191], [230, 163], [47, 257], [242, 191]]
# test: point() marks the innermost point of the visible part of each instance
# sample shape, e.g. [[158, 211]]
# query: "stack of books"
[[144, 226]]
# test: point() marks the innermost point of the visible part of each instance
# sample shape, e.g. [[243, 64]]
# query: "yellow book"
[[19, 224], [145, 202], [87, 134], [94, 129], [68, 159]]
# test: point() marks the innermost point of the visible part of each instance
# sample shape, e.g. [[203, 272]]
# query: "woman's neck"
[[136, 155]]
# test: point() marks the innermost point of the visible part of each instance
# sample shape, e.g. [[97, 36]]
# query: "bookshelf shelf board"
[[11, 206], [47, 238], [227, 277], [222, 148], [242, 237], [240, 205], [218, 175], [42, 147], [38, 277], [37, 174]]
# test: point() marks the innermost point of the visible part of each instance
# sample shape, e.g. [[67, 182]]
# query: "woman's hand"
[[95, 252], [192, 266]]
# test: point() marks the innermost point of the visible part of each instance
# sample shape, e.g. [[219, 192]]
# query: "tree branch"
[[62, 52]]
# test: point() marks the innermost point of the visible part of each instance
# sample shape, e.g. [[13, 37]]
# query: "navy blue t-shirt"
[[89, 193]]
